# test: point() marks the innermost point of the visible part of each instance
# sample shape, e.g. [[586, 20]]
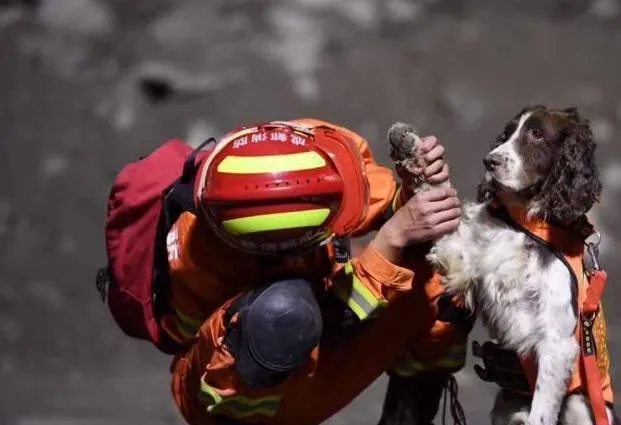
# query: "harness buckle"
[[588, 320], [593, 250], [588, 339], [342, 250], [102, 282]]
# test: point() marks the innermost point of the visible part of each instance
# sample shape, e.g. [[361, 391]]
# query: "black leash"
[[451, 396], [502, 214]]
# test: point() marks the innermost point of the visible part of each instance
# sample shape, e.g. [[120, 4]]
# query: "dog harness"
[[591, 371]]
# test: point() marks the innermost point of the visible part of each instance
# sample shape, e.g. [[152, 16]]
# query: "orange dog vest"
[[591, 374]]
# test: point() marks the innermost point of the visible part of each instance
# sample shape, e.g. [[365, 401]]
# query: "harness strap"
[[588, 350], [177, 198], [502, 214], [591, 373], [597, 284]]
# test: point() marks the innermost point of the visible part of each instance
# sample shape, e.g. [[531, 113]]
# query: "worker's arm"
[[381, 272], [194, 292], [382, 188], [368, 282], [386, 195], [443, 349]]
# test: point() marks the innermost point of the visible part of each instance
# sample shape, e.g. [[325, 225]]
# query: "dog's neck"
[[565, 238]]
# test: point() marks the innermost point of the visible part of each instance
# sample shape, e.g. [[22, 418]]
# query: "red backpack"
[[146, 198]]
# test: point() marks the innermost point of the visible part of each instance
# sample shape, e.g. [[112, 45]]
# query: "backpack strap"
[[181, 193], [177, 199]]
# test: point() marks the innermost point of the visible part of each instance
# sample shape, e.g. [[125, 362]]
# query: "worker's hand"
[[426, 216], [435, 170]]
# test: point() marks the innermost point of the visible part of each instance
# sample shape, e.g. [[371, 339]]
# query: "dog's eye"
[[536, 133]]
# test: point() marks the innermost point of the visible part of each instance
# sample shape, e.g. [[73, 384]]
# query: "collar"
[[568, 239]]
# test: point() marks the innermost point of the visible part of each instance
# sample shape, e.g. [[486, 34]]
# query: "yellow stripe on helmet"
[[276, 221], [271, 163]]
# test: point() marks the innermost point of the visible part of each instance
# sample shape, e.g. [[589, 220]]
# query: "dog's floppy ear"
[[573, 185]]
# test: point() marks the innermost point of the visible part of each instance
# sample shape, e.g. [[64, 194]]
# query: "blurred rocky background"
[[88, 85]]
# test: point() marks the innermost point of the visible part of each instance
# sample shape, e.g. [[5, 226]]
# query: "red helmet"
[[282, 186]]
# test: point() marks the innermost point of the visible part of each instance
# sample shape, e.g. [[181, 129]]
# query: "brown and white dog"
[[543, 162]]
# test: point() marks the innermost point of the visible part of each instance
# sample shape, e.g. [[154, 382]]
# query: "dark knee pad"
[[278, 327]]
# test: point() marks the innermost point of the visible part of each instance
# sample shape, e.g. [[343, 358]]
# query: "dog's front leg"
[[453, 256], [555, 359]]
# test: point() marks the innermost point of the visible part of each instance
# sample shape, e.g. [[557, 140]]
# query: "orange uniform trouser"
[[205, 383]]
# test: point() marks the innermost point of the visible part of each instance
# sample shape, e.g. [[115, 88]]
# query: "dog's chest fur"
[[525, 292]]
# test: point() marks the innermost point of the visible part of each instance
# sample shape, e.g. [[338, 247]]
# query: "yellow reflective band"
[[187, 319], [362, 290], [271, 163], [208, 394], [187, 325], [449, 364], [240, 411], [408, 370], [455, 358], [185, 331], [409, 366], [360, 299], [351, 303], [237, 406], [455, 351], [276, 221]]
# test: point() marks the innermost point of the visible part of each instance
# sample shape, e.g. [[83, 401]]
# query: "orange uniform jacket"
[[403, 333]]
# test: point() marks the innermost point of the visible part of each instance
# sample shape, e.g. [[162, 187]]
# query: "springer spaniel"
[[543, 162]]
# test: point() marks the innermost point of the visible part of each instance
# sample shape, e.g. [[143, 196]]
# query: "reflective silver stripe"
[[358, 297]]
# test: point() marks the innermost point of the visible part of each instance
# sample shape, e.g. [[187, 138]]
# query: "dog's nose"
[[491, 161]]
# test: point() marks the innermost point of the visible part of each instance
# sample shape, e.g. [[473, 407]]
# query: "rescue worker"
[[281, 327]]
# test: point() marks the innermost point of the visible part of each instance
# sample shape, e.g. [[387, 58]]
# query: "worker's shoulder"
[[185, 223], [197, 244], [189, 240]]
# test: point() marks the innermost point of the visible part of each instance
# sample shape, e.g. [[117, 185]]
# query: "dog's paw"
[[436, 260], [447, 262], [513, 418], [520, 418], [403, 141], [454, 275]]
